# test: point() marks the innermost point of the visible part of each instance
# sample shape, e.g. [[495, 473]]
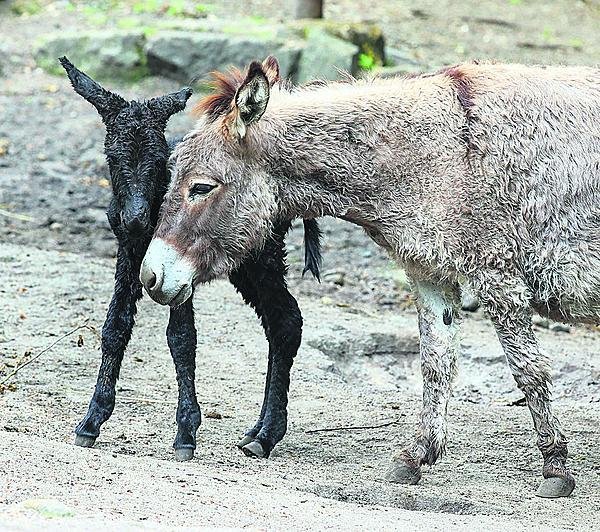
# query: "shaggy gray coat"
[[483, 172]]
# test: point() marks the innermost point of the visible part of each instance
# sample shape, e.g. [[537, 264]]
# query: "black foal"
[[137, 154]]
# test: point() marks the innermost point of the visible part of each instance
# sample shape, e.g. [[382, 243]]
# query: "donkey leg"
[[284, 333], [531, 370], [181, 337], [438, 328], [116, 333], [282, 322], [240, 280]]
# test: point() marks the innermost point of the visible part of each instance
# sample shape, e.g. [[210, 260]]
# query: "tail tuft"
[[312, 249]]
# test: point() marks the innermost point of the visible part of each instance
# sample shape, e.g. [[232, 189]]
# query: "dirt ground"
[[358, 364]]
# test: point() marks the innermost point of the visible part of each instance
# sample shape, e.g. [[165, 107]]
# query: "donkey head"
[[221, 203], [135, 148]]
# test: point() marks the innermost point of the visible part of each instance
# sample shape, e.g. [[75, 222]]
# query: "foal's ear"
[[251, 98], [165, 106], [107, 103]]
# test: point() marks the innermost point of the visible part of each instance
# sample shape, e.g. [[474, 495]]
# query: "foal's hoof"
[[403, 473], [254, 449], [245, 441], [84, 441], [183, 455], [554, 487]]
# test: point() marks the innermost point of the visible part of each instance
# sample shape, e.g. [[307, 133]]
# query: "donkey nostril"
[[151, 281]]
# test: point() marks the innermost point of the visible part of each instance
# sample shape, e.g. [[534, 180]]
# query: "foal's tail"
[[312, 248]]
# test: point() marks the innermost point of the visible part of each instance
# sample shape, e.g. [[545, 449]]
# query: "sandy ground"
[[326, 479], [358, 364]]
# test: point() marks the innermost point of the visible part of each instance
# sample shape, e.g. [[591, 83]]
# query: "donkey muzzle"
[[136, 217], [166, 275]]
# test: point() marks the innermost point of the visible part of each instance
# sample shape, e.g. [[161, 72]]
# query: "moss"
[[26, 7]]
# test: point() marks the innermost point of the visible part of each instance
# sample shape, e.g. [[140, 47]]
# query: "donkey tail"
[[312, 249]]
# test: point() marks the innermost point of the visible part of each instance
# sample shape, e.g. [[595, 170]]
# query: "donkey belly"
[[566, 287]]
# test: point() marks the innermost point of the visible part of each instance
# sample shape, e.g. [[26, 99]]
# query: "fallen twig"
[[45, 350], [387, 424], [16, 216]]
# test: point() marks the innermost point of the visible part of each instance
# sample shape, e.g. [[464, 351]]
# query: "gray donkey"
[[483, 172]]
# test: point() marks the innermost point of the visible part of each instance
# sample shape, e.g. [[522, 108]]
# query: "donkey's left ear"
[[165, 106], [251, 98]]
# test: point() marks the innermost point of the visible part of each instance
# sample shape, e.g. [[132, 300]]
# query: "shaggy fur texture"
[[137, 153], [483, 172]]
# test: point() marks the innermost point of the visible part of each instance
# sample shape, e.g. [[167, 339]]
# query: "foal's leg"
[[116, 333], [531, 370], [181, 337], [438, 326], [240, 280], [282, 321]]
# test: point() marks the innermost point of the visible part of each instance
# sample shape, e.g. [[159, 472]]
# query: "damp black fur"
[[137, 153]]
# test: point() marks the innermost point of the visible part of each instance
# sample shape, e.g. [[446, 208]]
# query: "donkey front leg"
[[116, 333], [531, 371], [181, 337], [438, 328]]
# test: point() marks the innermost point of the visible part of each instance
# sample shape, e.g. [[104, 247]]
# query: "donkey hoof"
[[556, 487], [402, 473], [183, 455], [254, 449], [245, 441], [84, 441]]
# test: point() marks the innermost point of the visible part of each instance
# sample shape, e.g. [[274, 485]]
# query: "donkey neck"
[[365, 151]]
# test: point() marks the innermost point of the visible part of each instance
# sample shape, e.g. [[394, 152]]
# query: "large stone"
[[102, 54], [323, 55], [188, 56]]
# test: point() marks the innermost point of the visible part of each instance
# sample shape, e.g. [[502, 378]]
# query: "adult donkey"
[[487, 172], [137, 154]]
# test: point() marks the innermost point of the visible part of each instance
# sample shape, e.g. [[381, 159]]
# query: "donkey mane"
[[225, 86]]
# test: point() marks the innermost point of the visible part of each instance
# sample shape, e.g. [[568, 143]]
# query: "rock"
[[335, 277], [560, 327], [540, 321], [48, 508], [323, 55], [187, 56], [368, 41], [102, 54], [399, 63]]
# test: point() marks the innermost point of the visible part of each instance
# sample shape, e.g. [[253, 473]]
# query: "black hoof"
[[245, 441], [554, 487], [183, 455], [254, 449], [84, 441], [403, 473]]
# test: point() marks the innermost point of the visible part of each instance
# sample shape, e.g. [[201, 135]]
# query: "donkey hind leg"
[[241, 282], [116, 333], [531, 371], [438, 329], [282, 321], [181, 337]]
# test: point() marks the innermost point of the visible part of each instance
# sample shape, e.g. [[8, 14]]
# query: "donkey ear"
[[251, 98], [107, 103], [270, 67], [165, 106]]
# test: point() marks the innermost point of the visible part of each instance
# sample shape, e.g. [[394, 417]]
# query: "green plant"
[[26, 7], [366, 61], [176, 8]]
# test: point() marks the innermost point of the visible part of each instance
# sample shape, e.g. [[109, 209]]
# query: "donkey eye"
[[201, 188]]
